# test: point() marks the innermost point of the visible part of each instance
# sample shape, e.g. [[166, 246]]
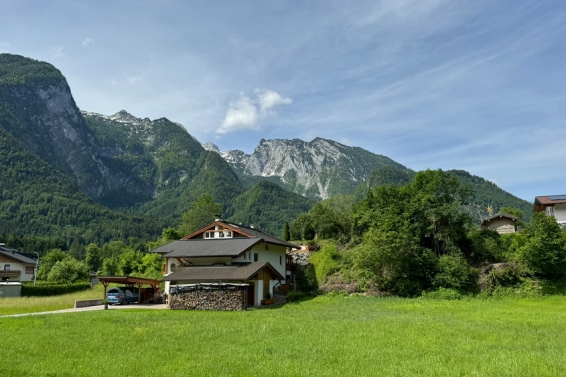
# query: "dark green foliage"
[[486, 193], [508, 276], [17, 70], [487, 246], [454, 272], [286, 232], [542, 247], [267, 206], [202, 212], [53, 289]]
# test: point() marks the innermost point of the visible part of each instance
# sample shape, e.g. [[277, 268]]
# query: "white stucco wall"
[[17, 266], [560, 212]]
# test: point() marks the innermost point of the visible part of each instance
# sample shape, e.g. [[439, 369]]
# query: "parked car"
[[122, 295]]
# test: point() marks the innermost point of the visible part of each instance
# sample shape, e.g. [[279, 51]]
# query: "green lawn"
[[17, 305], [325, 336]]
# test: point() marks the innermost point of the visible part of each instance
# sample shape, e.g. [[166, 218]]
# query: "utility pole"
[[36, 266]]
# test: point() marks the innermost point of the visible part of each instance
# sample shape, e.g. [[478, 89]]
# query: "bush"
[[455, 273], [508, 276], [53, 289]]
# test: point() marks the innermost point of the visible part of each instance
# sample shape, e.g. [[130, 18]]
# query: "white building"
[[15, 266], [225, 252], [552, 205]]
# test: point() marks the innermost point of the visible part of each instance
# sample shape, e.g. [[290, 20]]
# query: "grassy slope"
[[326, 336]]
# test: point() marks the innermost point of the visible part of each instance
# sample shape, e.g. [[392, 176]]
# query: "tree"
[[92, 259], [48, 261], [201, 213], [407, 229], [513, 212], [543, 249], [286, 233], [68, 270]]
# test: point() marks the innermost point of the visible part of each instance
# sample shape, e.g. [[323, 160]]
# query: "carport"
[[130, 281]]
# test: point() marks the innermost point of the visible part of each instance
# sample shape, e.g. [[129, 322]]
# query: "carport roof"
[[128, 280]]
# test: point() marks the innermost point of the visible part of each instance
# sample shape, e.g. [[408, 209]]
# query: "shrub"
[[455, 273], [53, 289]]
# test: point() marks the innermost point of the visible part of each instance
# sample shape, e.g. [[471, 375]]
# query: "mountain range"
[[91, 178]]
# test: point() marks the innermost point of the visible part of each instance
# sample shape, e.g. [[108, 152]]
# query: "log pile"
[[209, 299]]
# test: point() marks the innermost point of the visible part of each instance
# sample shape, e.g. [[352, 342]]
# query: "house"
[[15, 266], [227, 253], [501, 223], [552, 205]]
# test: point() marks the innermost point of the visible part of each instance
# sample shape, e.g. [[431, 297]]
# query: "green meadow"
[[324, 336]]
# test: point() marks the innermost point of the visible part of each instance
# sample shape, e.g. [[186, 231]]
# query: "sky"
[[438, 84]]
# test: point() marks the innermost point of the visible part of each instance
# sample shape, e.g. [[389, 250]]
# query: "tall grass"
[[325, 336], [17, 305]]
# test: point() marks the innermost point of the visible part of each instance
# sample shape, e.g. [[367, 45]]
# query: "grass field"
[[325, 336], [17, 305]]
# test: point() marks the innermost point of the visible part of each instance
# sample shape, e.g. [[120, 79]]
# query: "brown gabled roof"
[[550, 199], [500, 216], [244, 231], [198, 248], [214, 224], [541, 202], [235, 272]]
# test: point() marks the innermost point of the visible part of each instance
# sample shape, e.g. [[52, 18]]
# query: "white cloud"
[[241, 114], [268, 99], [87, 41], [246, 112]]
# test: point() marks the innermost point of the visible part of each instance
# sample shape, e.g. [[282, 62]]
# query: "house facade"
[[15, 266], [225, 252], [552, 205], [501, 223]]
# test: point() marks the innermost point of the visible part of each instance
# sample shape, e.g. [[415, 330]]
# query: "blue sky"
[[477, 85]]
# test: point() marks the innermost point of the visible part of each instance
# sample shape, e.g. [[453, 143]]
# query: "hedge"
[[53, 289]]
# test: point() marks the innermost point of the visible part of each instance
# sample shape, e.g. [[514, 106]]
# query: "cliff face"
[[320, 168], [38, 109]]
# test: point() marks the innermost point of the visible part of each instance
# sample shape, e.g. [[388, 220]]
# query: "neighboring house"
[[224, 252], [552, 205], [501, 223], [15, 266]]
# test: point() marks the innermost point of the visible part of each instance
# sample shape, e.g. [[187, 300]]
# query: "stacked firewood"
[[234, 300]]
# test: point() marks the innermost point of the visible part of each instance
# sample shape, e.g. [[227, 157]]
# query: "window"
[[208, 234], [29, 270], [6, 267], [256, 255], [280, 260]]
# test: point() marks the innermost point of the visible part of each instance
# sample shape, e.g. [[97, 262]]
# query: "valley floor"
[[324, 336]]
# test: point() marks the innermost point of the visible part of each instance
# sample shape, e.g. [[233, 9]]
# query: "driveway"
[[90, 308]]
